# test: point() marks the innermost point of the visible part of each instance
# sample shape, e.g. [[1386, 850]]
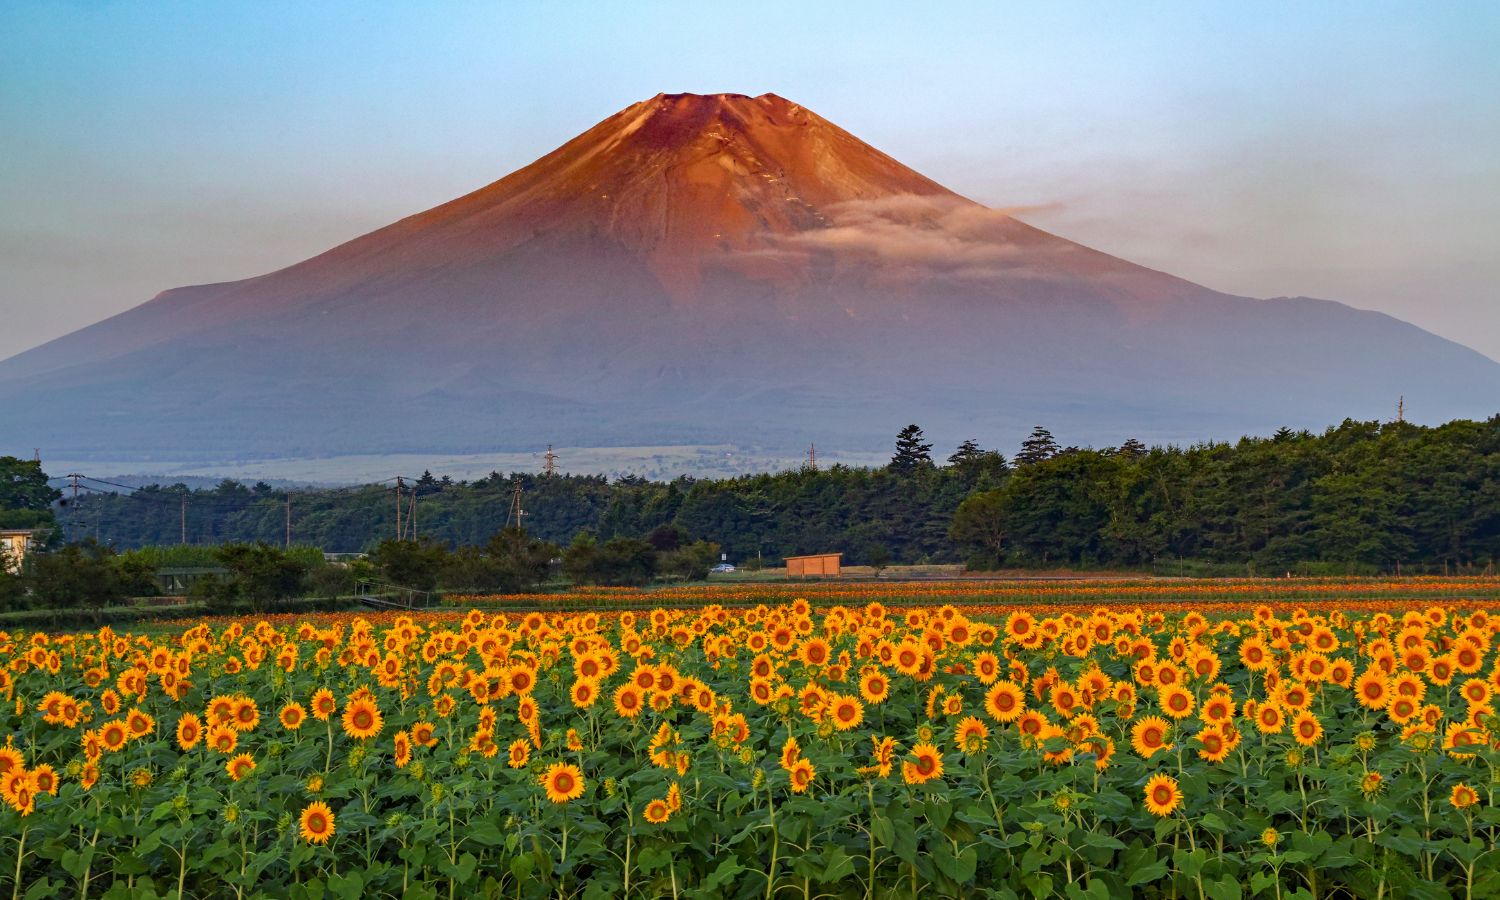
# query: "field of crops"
[[771, 751], [1004, 592]]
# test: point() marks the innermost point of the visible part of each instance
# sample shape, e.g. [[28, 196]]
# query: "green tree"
[[974, 465], [690, 562], [260, 574], [912, 452], [618, 561], [411, 564], [578, 560], [979, 527], [23, 485], [523, 562], [79, 576], [1039, 447]]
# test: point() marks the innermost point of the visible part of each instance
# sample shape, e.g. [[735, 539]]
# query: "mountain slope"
[[712, 268]]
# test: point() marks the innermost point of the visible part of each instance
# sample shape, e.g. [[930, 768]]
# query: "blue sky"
[[1341, 150]]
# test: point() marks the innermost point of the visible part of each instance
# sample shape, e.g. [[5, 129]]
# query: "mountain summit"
[[712, 269]]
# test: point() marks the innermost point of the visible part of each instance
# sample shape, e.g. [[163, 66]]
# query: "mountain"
[[713, 269]]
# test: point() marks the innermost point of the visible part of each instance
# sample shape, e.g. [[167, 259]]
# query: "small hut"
[[819, 565]]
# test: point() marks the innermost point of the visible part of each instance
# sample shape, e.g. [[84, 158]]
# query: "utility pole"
[[411, 517], [516, 512], [398, 508], [73, 477], [549, 462]]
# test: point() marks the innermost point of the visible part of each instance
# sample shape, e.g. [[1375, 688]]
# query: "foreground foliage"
[[857, 752]]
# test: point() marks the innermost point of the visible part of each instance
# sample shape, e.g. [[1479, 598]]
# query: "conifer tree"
[[912, 452], [1037, 448]]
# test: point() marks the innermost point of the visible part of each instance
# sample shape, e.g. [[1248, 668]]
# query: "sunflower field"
[[771, 751]]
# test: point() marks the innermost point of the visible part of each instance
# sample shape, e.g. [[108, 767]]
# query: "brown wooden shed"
[[818, 565]]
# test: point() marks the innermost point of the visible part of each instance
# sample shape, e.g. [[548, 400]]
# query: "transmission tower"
[[812, 457], [549, 462], [1401, 408]]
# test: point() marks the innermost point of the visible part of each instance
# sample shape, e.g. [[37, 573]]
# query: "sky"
[[1349, 151]]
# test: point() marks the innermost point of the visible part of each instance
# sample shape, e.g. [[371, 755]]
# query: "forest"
[[1361, 496]]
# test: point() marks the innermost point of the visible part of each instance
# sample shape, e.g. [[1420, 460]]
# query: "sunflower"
[[223, 738], [1307, 729], [926, 763], [1217, 708], [403, 749], [483, 743], [972, 736], [1254, 655], [1019, 626], [1102, 747], [874, 687], [628, 700], [986, 667], [1402, 709], [908, 658], [521, 678], [657, 812], [587, 665], [1463, 796], [113, 734], [44, 779], [317, 823], [791, 751], [292, 716], [1216, 745], [801, 774], [323, 704], [240, 766], [189, 730], [220, 709], [1269, 718], [562, 782], [585, 691], [139, 724], [1005, 701], [814, 652], [11, 758], [1460, 736], [846, 712], [1475, 691], [1163, 796], [19, 791], [1176, 701], [246, 715], [362, 719], [520, 753], [423, 733], [1149, 735]]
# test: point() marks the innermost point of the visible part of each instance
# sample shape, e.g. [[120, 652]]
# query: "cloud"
[[943, 235]]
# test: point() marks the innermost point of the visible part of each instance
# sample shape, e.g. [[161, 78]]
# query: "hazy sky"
[[1341, 150]]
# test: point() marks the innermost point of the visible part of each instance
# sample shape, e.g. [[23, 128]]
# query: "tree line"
[[1362, 495]]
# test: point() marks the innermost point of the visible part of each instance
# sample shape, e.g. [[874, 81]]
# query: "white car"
[[722, 567]]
